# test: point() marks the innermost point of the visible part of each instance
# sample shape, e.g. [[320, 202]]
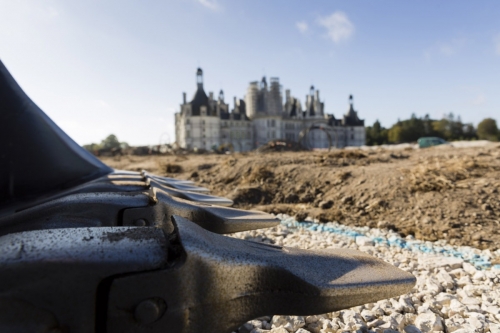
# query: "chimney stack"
[[184, 97]]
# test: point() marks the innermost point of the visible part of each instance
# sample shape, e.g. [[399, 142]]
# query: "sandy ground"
[[446, 192]]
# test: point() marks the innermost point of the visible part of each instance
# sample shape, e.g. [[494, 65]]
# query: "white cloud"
[[446, 49], [496, 41], [480, 99], [451, 48], [210, 4], [338, 26], [302, 26]]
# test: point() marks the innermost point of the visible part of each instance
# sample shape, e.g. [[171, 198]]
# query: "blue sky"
[[101, 67]]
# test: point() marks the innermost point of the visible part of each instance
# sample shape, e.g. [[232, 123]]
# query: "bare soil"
[[435, 193]]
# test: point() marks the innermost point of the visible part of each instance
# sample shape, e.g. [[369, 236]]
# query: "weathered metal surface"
[[58, 273], [215, 283]]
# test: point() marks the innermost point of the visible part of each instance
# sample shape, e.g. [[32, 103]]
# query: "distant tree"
[[450, 127], [488, 130], [110, 142], [469, 132], [376, 134], [93, 147], [395, 134], [124, 145]]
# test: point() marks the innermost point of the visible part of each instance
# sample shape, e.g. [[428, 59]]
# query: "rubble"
[[453, 295]]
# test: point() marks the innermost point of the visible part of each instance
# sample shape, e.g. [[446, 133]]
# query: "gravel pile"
[[455, 292]]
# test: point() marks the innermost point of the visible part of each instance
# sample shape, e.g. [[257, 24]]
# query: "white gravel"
[[451, 294]]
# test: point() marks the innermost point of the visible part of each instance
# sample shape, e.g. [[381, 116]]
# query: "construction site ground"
[[444, 192]]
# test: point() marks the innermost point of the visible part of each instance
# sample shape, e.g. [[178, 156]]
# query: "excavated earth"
[[444, 192]]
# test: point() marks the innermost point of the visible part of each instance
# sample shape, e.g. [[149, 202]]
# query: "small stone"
[[454, 323], [494, 310], [375, 323], [479, 276], [445, 279], [326, 204], [256, 323], [346, 199], [444, 298], [399, 319], [465, 329], [432, 286], [486, 207], [457, 308], [301, 330], [378, 311], [330, 326], [389, 322], [412, 329], [429, 322], [290, 323], [246, 328], [463, 281], [457, 273], [469, 269], [312, 319], [406, 304], [314, 327], [353, 319], [439, 261], [383, 224], [260, 330], [470, 301], [367, 315], [477, 324], [495, 328], [278, 330], [364, 241]]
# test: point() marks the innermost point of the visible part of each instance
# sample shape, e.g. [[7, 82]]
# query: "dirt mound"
[[355, 154], [450, 193], [439, 174], [281, 145]]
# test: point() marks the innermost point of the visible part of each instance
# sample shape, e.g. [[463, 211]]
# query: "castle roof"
[[351, 117]]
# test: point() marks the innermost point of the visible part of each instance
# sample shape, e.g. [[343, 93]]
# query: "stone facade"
[[207, 123]]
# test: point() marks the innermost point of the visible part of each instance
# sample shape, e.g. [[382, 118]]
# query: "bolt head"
[[140, 223], [150, 310]]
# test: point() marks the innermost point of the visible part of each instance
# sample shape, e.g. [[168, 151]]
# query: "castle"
[[206, 122]]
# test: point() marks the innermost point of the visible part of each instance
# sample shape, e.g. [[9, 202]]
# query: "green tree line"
[[450, 128], [110, 143]]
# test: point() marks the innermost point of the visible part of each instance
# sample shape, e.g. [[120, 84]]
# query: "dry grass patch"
[[258, 174], [354, 154], [438, 174], [173, 168]]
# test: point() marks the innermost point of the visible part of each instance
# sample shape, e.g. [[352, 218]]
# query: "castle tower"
[[199, 78]]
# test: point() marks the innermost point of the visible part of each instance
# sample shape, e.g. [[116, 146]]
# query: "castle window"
[[187, 121]]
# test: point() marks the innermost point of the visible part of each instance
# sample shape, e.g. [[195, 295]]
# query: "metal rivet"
[[150, 310], [140, 223]]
